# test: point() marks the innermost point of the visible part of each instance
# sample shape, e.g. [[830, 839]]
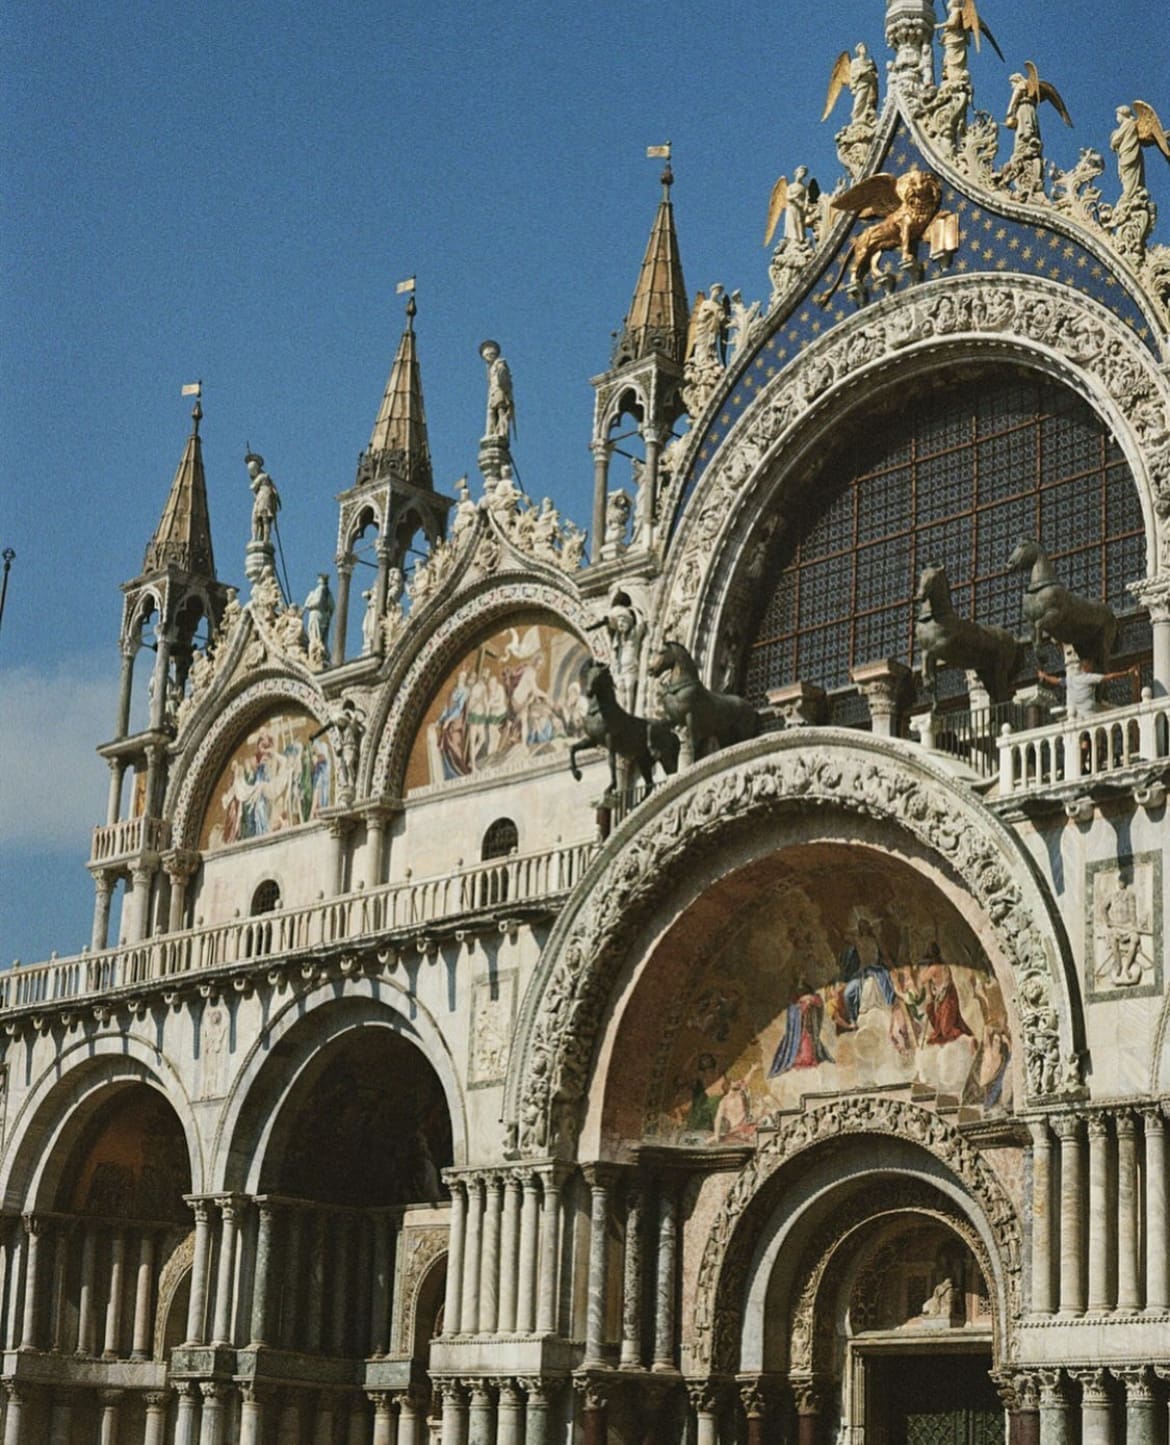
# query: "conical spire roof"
[[659, 314], [183, 535], [399, 439]]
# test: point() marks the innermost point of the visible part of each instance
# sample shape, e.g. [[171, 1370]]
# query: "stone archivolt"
[[561, 1016], [1022, 319]]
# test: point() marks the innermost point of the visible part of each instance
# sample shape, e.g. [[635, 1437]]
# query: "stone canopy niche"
[[825, 969]]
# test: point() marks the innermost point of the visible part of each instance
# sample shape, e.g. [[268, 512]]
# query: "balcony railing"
[[129, 837], [1078, 749], [517, 881]]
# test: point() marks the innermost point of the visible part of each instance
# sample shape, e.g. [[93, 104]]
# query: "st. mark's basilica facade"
[[414, 1088]]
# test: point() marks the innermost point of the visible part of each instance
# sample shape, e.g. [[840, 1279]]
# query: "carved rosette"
[[1031, 316], [846, 772]]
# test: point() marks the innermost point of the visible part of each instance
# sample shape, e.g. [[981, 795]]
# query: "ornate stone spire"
[[183, 535], [398, 443], [658, 315]]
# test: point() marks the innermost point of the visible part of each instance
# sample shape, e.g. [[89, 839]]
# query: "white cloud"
[[54, 784]]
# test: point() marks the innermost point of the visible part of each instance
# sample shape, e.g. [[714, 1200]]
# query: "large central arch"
[[740, 805]]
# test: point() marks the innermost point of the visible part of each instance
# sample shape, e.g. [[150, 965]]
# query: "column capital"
[[479, 1388], [1125, 1123], [1153, 1119], [1068, 1128], [600, 1175], [181, 863], [213, 1391], [537, 1388], [345, 562], [706, 1396], [1094, 1385], [509, 1391], [808, 1394], [1098, 1126], [755, 1395], [1053, 1391], [1139, 1384], [450, 1390], [186, 1389], [1026, 1386], [156, 1399], [382, 1401], [593, 1389], [110, 1398], [1153, 593], [200, 1207]]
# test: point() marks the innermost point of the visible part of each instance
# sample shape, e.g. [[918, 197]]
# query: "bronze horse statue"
[[641, 741], [1059, 615], [714, 719], [948, 640]]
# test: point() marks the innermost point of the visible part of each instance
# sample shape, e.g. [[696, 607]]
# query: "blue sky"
[[230, 192]]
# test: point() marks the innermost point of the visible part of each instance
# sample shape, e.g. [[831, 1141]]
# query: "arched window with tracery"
[[957, 473]]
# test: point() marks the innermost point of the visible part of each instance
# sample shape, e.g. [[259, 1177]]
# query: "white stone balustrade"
[[522, 878], [1074, 749], [128, 838]]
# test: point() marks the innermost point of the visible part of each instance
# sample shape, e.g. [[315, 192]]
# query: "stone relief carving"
[[1124, 926], [420, 1248], [728, 1251], [1031, 310], [868, 780], [491, 1022]]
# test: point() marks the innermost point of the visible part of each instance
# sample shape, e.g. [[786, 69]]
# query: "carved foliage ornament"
[[727, 1253], [1037, 314], [863, 777]]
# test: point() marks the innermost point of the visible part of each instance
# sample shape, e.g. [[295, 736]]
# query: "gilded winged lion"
[[908, 203]]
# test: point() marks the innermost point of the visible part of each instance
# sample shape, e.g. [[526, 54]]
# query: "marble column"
[[112, 1342], [376, 823], [13, 1412], [536, 1414], [251, 1415], [1100, 1221], [140, 1340], [1157, 1234], [411, 1419], [754, 1400], [1154, 594], [469, 1307], [345, 565], [187, 1392], [1129, 1294], [1024, 1410], [111, 1403], [1042, 1291], [357, 1430], [61, 1421], [103, 884], [156, 1417], [704, 1398], [211, 1421], [260, 1274], [381, 1286], [221, 1333], [138, 927], [290, 1319], [315, 1277], [600, 450], [526, 1267], [509, 1254], [125, 689], [456, 1228], [30, 1323], [481, 1414], [323, 1419], [594, 1399], [597, 1290], [631, 1356], [62, 1241], [808, 1411], [550, 1253], [454, 1398], [509, 1414], [342, 1233], [384, 1421], [86, 1319], [1141, 1420], [197, 1306], [1072, 1272], [665, 1283], [489, 1266], [1096, 1407]]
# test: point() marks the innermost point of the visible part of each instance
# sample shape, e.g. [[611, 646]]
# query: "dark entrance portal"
[[932, 1399]]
